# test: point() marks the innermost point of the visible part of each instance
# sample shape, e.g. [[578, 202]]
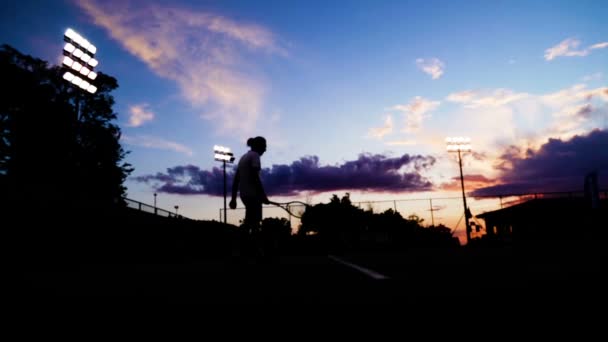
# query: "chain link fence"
[[447, 211]]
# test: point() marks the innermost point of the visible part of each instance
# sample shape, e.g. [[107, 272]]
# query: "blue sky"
[[334, 80]]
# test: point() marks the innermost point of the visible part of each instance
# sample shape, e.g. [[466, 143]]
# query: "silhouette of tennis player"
[[247, 182]]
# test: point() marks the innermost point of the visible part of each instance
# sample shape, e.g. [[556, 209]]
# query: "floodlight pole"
[[225, 192], [464, 200], [77, 105], [224, 155]]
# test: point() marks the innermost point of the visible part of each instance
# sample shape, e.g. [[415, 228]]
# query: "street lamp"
[[460, 145], [224, 155], [176, 207], [79, 62]]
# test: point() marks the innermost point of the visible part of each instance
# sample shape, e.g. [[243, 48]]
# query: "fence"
[[150, 209], [447, 211]]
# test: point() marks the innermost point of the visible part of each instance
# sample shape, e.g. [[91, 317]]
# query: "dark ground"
[[171, 270]]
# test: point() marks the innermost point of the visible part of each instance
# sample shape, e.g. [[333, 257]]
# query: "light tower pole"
[[224, 155], [460, 145]]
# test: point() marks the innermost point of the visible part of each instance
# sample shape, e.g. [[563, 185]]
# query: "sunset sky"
[[352, 96]]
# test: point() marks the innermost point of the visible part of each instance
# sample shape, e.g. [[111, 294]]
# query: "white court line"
[[366, 271]]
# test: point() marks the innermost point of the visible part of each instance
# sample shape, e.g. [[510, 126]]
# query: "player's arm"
[[235, 188]]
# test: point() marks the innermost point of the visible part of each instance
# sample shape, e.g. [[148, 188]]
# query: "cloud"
[[367, 173], [156, 143], [568, 47], [401, 143], [476, 99], [380, 132], [497, 118], [433, 67], [574, 94], [592, 77], [415, 112], [599, 46], [557, 165], [139, 114], [202, 52], [474, 181]]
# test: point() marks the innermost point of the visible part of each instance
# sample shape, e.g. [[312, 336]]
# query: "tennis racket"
[[292, 207]]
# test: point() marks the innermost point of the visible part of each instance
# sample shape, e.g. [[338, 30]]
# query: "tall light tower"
[[224, 155], [79, 62], [461, 145]]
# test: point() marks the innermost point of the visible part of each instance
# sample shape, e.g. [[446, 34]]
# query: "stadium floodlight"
[[460, 145], [86, 58], [71, 34], [68, 76], [224, 155], [69, 47], [84, 85], [78, 53], [76, 80], [79, 59], [67, 61], [92, 89], [84, 71], [76, 66]]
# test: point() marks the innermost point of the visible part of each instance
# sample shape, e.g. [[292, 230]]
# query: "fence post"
[[220, 214], [395, 205]]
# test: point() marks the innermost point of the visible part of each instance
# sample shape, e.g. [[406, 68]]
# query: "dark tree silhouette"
[[58, 142], [276, 232], [340, 225]]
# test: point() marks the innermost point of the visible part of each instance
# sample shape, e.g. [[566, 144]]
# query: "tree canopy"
[[340, 224], [57, 141]]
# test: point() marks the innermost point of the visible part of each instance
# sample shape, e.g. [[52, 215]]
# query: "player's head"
[[257, 144]]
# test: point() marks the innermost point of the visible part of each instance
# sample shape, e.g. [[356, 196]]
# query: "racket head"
[[288, 207]]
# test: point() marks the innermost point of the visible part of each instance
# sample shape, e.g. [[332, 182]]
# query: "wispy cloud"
[[475, 99], [401, 143], [592, 77], [569, 48], [416, 112], [156, 143], [202, 52], [573, 95], [432, 66], [139, 114], [368, 172], [380, 132], [599, 46], [473, 181]]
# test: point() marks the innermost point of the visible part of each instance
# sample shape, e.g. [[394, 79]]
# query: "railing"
[[133, 204]]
